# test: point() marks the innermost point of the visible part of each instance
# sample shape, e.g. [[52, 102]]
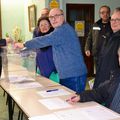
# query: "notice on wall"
[[54, 4], [80, 28]]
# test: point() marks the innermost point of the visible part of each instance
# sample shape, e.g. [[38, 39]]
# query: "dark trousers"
[[76, 84]]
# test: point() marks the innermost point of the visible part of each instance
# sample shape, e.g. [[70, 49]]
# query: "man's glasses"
[[105, 12], [55, 16], [115, 20]]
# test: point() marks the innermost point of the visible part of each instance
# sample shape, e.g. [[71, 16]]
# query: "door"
[[83, 15]]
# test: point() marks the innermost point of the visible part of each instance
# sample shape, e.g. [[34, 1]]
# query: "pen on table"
[[51, 90], [70, 98]]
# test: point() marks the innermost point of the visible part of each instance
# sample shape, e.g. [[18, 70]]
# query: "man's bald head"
[[56, 17]]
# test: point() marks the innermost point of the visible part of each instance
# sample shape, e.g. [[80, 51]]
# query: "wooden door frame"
[[91, 7], [74, 6]]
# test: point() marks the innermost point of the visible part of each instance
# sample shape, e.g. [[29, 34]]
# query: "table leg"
[[10, 112]]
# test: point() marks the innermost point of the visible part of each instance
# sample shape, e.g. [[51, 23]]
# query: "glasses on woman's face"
[[54, 17], [115, 20]]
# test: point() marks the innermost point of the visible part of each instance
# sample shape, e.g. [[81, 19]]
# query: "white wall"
[[39, 5], [12, 15], [15, 13]]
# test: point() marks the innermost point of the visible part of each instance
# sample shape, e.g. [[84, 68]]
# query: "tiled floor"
[[4, 110], [3, 107]]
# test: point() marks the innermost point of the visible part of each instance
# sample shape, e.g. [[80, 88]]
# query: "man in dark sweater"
[[108, 59], [109, 91]]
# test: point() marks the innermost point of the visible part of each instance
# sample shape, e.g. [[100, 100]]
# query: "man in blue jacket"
[[67, 55]]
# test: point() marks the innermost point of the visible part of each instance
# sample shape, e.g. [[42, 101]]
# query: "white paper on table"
[[72, 114], [87, 113], [28, 85], [45, 117], [58, 92], [18, 78], [99, 113], [55, 103]]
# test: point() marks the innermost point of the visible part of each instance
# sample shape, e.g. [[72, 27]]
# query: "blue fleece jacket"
[[67, 54]]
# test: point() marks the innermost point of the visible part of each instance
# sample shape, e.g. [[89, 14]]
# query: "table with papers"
[[42, 99], [95, 112]]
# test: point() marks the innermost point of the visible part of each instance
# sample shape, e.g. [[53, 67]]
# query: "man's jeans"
[[75, 83]]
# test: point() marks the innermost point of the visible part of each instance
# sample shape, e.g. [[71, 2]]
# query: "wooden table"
[[27, 99]]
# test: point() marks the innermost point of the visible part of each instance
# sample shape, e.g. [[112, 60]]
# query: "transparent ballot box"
[[17, 60]]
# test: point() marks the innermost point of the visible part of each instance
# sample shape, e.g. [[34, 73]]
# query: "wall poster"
[[54, 4], [80, 28]]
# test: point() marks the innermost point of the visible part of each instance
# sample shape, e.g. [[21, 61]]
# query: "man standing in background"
[[108, 92], [108, 60], [98, 35]]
